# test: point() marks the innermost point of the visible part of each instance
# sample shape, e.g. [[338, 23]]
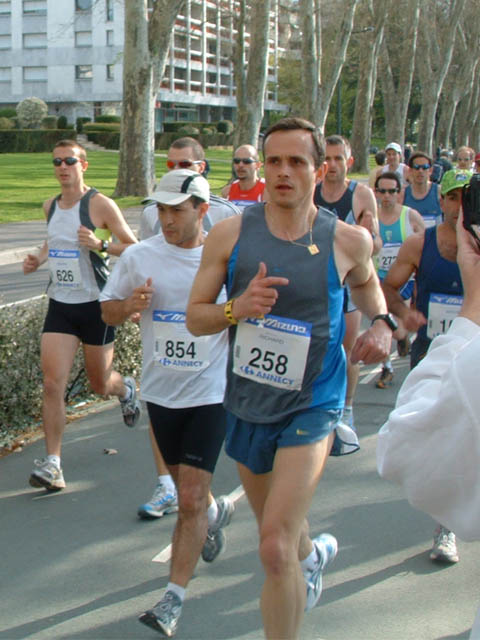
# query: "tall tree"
[[370, 22], [438, 25], [321, 66], [250, 79], [397, 64], [147, 39]]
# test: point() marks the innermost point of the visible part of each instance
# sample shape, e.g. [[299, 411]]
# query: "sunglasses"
[[68, 161], [390, 191], [421, 166], [183, 164], [244, 160]]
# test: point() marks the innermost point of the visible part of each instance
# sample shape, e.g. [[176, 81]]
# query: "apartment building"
[[69, 53]]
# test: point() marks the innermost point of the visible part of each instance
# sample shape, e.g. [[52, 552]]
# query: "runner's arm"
[[105, 214]]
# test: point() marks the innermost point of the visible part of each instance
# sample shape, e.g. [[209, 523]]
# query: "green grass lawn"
[[27, 179]]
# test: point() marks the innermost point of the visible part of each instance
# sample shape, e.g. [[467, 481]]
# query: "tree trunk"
[[437, 34], [375, 11], [145, 50], [250, 101], [396, 66]]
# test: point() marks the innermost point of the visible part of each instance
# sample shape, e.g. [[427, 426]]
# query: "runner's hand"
[[30, 264], [260, 295]]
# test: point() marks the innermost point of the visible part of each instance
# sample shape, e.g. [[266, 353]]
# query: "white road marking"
[[165, 554]]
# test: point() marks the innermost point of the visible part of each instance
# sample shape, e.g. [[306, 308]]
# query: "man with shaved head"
[[248, 188]]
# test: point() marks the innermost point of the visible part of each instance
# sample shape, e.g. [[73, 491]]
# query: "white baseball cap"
[[177, 186], [395, 146]]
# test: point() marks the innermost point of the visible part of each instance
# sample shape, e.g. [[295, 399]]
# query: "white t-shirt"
[[179, 370]]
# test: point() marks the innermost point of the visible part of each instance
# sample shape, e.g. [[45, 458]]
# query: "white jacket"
[[430, 444]]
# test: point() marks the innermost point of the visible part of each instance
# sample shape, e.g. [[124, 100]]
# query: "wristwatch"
[[104, 246], [388, 319]]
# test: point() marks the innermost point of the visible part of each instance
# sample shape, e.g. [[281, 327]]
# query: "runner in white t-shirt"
[[183, 377]]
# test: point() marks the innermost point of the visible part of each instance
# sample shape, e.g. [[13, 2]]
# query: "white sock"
[[310, 562], [128, 393], [176, 588], [347, 409], [212, 512], [167, 482], [54, 460], [388, 365]]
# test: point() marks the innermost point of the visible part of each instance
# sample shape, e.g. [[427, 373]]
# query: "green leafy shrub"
[[28, 140], [20, 373], [106, 139], [107, 118], [81, 120], [62, 122], [6, 123], [100, 126], [188, 130], [31, 112], [8, 112], [50, 122], [225, 126]]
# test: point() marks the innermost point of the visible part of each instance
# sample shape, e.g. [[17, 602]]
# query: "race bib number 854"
[[272, 351]]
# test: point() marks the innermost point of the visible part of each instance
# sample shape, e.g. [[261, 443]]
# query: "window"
[[34, 40], [5, 7], [5, 41], [34, 74], [110, 72], [109, 10], [83, 38], [35, 7], [83, 71], [5, 74], [109, 33], [83, 5]]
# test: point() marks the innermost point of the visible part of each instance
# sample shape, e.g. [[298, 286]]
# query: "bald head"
[[246, 166], [246, 151]]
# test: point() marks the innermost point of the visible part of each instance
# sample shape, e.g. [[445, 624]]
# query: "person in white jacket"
[[430, 444]]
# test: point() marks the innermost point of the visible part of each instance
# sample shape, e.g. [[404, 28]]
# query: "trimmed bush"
[[80, 122], [62, 122], [100, 126], [6, 123], [107, 118], [50, 122], [188, 130], [106, 139], [29, 140], [21, 378], [225, 126], [31, 112], [8, 112]]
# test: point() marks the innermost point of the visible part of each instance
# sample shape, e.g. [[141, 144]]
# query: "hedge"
[[32, 140], [20, 375], [111, 139], [107, 118], [100, 126]]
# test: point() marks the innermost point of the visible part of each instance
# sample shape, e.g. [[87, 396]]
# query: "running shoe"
[[347, 417], [326, 547], [130, 407], [385, 379], [164, 615], [444, 545], [162, 502], [403, 346], [216, 540], [47, 475]]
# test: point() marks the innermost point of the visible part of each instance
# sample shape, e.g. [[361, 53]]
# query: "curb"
[[10, 256]]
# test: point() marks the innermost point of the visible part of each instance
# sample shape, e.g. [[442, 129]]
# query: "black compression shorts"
[[83, 320]]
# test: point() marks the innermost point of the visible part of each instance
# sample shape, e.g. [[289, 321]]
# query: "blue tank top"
[[342, 208], [435, 275], [314, 296], [428, 207]]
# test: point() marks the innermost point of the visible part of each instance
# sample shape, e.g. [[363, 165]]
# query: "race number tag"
[[175, 348], [442, 311], [388, 255], [64, 267], [272, 351], [430, 221]]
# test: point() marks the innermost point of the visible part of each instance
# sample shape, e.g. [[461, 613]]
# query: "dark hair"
[[336, 139], [418, 154], [196, 201], [72, 143], [183, 143], [380, 158], [294, 124], [389, 175]]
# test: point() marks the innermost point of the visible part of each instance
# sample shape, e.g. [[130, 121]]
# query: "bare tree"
[[397, 64], [370, 22], [467, 121], [438, 25], [322, 57], [147, 40], [251, 79]]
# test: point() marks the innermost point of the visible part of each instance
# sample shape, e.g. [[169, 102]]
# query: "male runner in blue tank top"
[[353, 203], [76, 255], [432, 258], [285, 263], [421, 194]]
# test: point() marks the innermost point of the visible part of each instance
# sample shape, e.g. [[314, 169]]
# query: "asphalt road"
[[78, 564]]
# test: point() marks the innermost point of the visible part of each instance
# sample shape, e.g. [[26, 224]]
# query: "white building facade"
[[69, 54]]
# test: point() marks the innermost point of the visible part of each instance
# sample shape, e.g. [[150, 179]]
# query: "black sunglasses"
[[390, 191], [421, 166], [244, 160], [68, 161]]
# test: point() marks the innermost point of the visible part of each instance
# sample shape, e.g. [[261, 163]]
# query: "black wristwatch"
[[388, 319], [104, 246]]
